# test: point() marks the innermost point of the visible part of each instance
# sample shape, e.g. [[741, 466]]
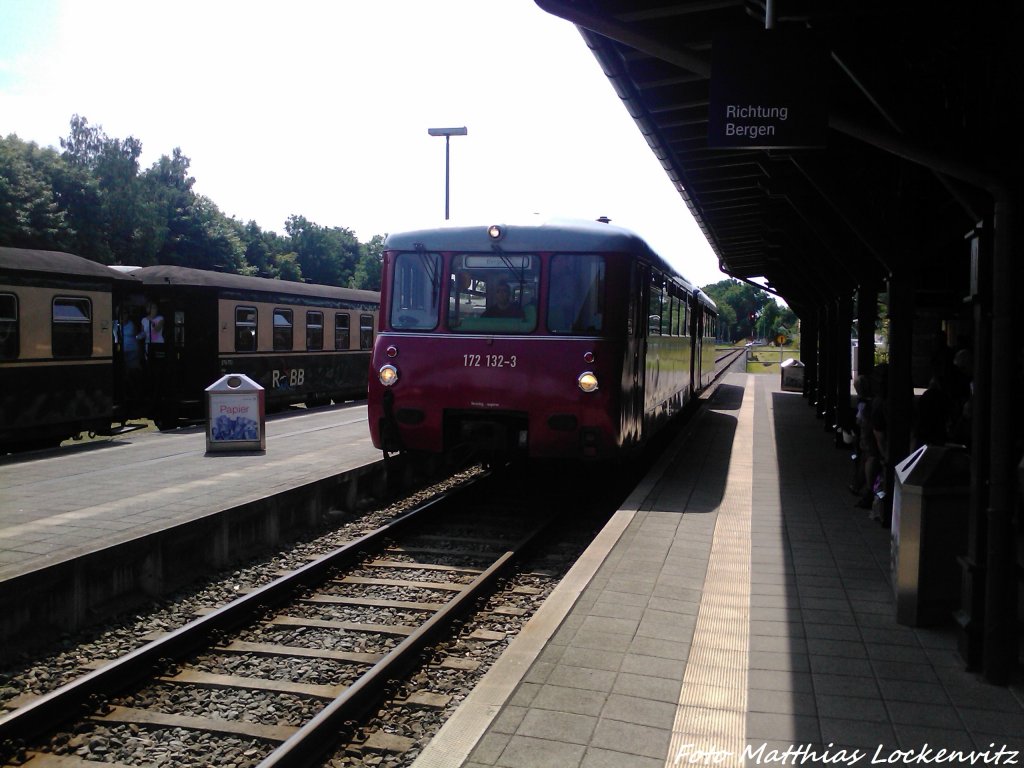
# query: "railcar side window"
[[314, 330], [283, 330], [9, 336], [416, 291], [72, 327], [576, 294], [655, 310], [342, 331], [366, 331], [245, 329]]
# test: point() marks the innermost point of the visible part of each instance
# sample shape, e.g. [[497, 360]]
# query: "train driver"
[[502, 304]]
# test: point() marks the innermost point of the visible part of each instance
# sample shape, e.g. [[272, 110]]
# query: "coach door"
[[696, 326], [636, 356]]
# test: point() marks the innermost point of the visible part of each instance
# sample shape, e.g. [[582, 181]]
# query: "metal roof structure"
[[923, 101], [912, 187]]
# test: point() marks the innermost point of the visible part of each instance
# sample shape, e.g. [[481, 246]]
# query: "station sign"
[[769, 89]]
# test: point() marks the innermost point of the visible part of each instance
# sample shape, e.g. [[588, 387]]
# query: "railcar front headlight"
[[388, 375], [587, 381]]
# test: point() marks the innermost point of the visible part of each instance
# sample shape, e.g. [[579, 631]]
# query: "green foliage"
[[288, 264], [726, 320], [327, 255], [368, 270], [93, 199], [748, 312], [29, 209]]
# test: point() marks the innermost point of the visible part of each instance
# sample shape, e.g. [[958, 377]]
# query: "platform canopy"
[[823, 145]]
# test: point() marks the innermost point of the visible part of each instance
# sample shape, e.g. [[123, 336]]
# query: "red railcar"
[[561, 340]]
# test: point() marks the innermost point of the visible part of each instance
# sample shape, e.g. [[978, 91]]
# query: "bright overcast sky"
[[322, 108]]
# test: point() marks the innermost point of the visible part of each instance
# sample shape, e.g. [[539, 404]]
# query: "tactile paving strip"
[[711, 717]]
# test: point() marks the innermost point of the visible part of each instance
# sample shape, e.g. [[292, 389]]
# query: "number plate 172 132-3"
[[489, 361]]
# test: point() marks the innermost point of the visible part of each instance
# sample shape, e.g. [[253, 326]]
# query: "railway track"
[[278, 676], [274, 676]]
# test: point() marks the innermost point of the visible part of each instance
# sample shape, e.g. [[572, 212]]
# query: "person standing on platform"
[[131, 341], [153, 331], [880, 430], [864, 466]]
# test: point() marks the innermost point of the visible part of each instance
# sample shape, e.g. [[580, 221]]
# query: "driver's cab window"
[[493, 293], [416, 291]]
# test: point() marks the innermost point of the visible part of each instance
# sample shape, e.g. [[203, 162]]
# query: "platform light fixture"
[[447, 133]]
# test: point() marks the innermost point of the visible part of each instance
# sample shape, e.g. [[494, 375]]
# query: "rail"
[[497, 548]]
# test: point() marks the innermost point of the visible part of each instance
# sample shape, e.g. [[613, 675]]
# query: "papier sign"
[[236, 418]]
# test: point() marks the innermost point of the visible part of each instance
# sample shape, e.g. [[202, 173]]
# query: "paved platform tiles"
[[736, 611], [55, 506]]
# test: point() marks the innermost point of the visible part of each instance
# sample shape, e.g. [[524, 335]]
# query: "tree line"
[[93, 199], [748, 312]]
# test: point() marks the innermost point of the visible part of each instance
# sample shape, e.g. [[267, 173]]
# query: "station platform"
[[737, 610], [88, 529]]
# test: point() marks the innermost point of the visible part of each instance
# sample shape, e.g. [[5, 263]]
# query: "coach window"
[[283, 330], [342, 331], [245, 329], [9, 338], [416, 291], [366, 331], [72, 327], [655, 310], [314, 330]]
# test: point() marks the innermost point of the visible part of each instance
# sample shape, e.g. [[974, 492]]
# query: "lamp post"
[[447, 133]]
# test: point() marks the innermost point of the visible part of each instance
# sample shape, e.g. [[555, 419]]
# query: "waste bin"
[[792, 375], [236, 415], [928, 533]]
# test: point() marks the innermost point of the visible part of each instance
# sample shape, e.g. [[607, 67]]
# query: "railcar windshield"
[[493, 293], [416, 291], [576, 294]]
